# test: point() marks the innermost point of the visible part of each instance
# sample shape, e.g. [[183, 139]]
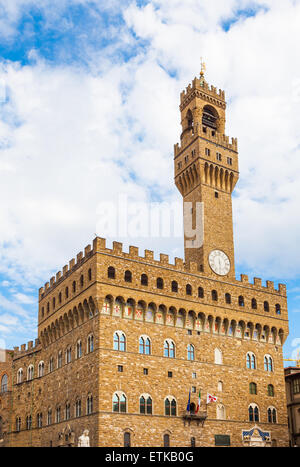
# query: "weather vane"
[[203, 67]]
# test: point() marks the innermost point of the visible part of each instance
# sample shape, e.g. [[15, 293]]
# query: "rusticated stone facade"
[[136, 334]]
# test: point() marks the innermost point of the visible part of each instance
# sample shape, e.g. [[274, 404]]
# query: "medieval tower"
[[146, 352]]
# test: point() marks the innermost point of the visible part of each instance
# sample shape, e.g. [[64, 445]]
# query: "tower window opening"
[[210, 117]]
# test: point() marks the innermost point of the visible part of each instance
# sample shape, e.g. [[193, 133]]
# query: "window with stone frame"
[[90, 343], [4, 383], [169, 348], [89, 404], [119, 341], [78, 408], [111, 272]]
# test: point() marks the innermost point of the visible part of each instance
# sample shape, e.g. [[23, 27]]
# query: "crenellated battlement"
[[206, 92], [66, 271], [27, 349], [99, 246]]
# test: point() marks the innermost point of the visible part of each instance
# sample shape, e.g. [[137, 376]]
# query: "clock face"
[[219, 262]]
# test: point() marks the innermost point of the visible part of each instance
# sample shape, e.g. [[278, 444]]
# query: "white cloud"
[[74, 138]]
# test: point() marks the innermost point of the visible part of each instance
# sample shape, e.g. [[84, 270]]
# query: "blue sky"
[[92, 88]]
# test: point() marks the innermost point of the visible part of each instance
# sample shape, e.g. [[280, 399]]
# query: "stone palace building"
[[126, 342]]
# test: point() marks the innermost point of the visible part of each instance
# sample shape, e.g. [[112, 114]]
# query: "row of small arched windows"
[[119, 343], [66, 293], [270, 389], [68, 359], [145, 404], [59, 415], [251, 362], [111, 273], [253, 411]]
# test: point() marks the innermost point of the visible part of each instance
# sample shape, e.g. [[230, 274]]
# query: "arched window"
[[28, 422], [268, 363], [169, 348], [144, 280], [78, 408], [253, 413], [254, 304], [221, 412], [146, 405], [190, 120], [166, 440], [119, 341], [127, 439], [228, 298], [218, 357], [90, 343], [57, 414], [160, 283], [191, 352], [251, 361], [90, 274], [89, 404], [188, 289], [59, 297], [49, 417], [30, 373], [278, 309], [74, 286], [59, 359], [48, 307], [20, 376], [18, 424], [4, 383], [174, 286], [68, 354], [79, 349], [272, 415], [67, 292], [39, 420], [111, 272], [170, 406], [210, 117], [51, 364], [200, 292], [81, 280], [53, 303], [214, 295], [271, 390], [266, 306], [41, 369], [128, 276], [144, 345], [67, 411], [241, 301], [119, 402], [253, 388]]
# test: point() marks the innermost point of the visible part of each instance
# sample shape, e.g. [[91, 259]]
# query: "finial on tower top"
[[203, 68]]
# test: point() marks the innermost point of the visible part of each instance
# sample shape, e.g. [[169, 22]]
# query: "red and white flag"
[[211, 398]]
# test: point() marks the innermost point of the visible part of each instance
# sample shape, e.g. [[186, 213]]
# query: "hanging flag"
[[199, 402], [211, 398], [188, 408]]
